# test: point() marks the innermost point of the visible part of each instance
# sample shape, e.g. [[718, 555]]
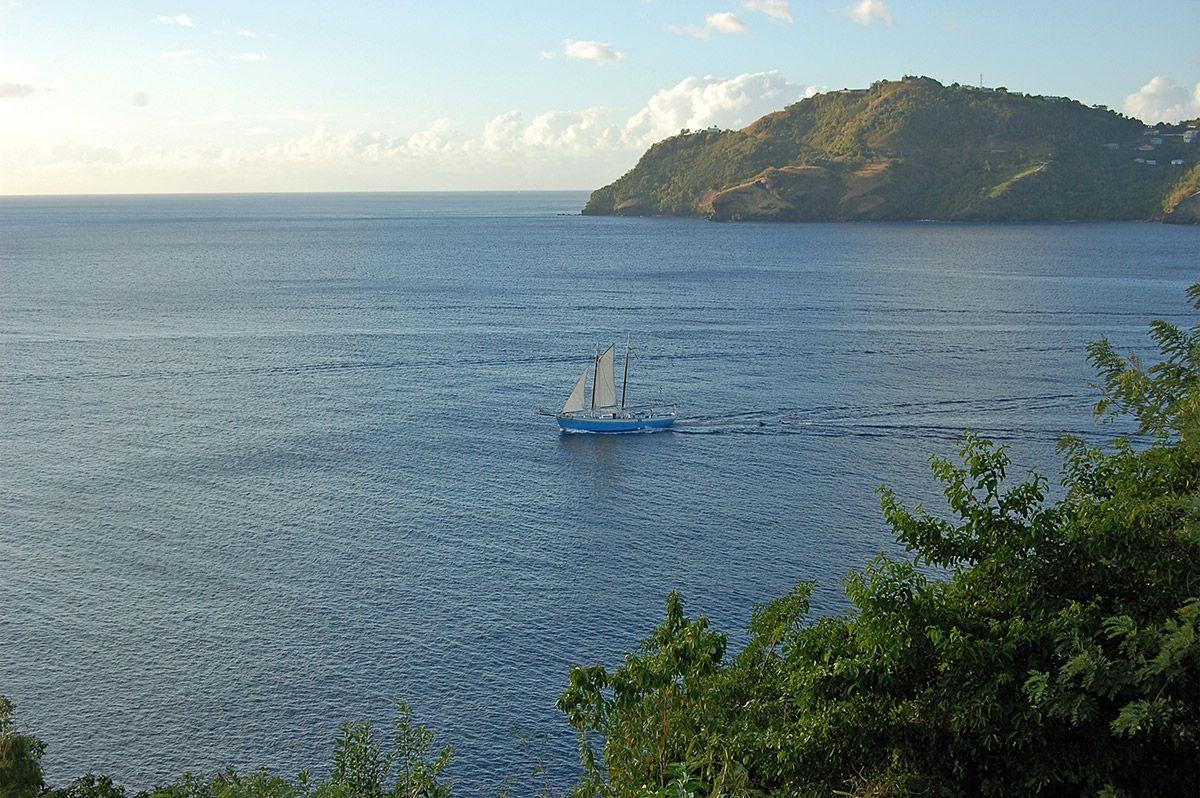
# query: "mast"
[[595, 376], [625, 379]]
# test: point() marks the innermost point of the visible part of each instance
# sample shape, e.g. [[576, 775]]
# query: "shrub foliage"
[[363, 767], [1055, 655]]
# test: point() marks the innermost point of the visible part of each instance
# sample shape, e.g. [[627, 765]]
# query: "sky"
[[188, 96]]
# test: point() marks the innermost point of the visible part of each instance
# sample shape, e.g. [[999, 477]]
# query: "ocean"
[[271, 462]]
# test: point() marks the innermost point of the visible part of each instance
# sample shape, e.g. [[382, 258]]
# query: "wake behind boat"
[[603, 413]]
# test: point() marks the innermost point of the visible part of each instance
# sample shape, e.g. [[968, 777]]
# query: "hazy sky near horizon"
[[117, 97]]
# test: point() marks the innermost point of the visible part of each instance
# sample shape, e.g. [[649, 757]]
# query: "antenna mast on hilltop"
[[981, 80]]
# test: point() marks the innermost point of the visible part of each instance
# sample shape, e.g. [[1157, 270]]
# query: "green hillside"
[[915, 149]]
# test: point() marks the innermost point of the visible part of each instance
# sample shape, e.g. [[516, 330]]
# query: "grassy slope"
[[1183, 202], [906, 150]]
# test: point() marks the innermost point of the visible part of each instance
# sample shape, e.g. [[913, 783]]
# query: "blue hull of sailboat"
[[610, 425]]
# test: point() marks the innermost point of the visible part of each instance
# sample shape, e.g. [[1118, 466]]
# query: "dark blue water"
[[271, 462]]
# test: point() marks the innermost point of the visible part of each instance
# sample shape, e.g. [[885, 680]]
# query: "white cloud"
[[701, 102], [576, 132], [21, 80], [502, 132], [546, 55], [599, 52], [726, 22], [778, 9], [1163, 100], [554, 149], [692, 103], [178, 19], [9, 91], [721, 22], [563, 132], [179, 57], [249, 57], [868, 11], [247, 33], [87, 154]]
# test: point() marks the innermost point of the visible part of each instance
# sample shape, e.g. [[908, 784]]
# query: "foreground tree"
[[1058, 654], [20, 757]]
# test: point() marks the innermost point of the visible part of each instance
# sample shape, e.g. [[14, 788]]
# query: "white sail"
[[575, 400], [604, 394]]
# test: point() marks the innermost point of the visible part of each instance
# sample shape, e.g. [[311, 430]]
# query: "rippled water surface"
[[271, 462]]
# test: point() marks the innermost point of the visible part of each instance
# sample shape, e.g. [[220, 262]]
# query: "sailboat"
[[603, 413]]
